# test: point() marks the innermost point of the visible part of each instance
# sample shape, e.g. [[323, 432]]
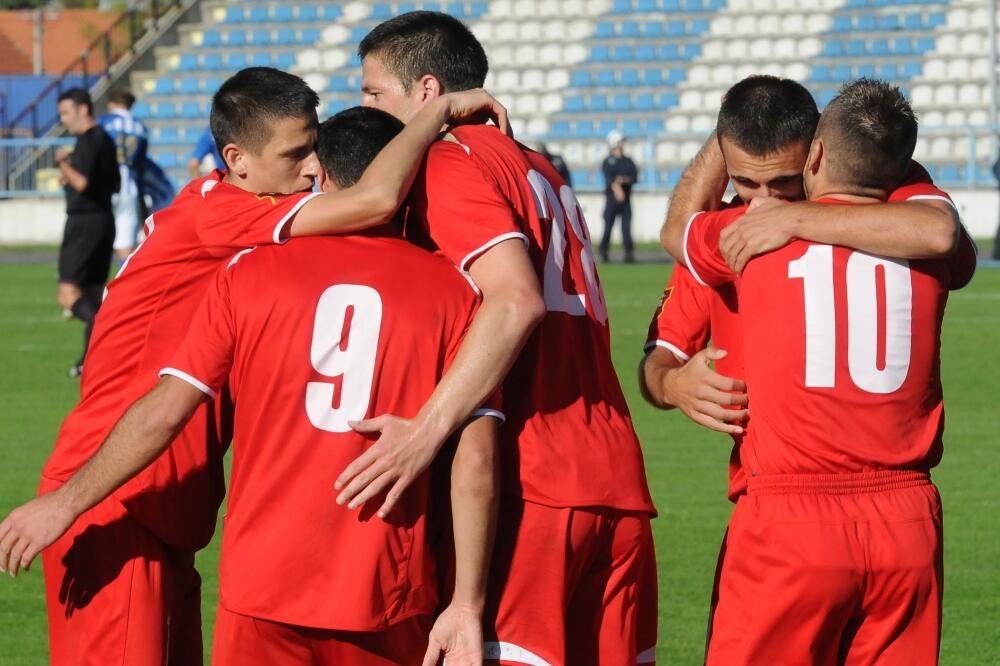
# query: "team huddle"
[[436, 463]]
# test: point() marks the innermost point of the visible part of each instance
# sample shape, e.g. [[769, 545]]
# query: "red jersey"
[[145, 314], [569, 435], [841, 352], [312, 335]]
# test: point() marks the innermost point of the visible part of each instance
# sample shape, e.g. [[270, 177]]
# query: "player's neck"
[[847, 193]]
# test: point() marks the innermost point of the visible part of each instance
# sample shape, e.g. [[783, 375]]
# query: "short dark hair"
[[350, 140], [417, 43], [122, 96], [79, 97], [764, 114], [869, 131], [250, 100]]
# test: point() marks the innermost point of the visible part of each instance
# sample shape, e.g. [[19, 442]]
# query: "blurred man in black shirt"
[[620, 173], [89, 174]]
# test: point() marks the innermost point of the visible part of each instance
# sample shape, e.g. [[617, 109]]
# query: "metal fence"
[[40, 178]]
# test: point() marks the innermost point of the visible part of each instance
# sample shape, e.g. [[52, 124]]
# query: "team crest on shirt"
[[273, 198], [667, 293]]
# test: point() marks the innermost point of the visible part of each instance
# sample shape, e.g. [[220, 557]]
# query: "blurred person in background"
[[90, 176], [996, 239], [131, 141], [205, 147], [620, 173], [557, 162]]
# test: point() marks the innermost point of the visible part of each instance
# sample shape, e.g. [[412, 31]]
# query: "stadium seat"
[[629, 77], [188, 62], [307, 13], [283, 14], [190, 110], [236, 61], [141, 110], [189, 86], [236, 38], [211, 38], [258, 14], [164, 87]]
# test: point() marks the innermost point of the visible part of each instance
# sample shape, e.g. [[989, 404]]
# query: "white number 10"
[[344, 346], [815, 268]]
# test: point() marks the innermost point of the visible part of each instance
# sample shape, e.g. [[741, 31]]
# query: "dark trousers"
[[613, 209]]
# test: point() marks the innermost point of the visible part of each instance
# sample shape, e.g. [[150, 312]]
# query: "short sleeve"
[[702, 254], [234, 219], [206, 354], [465, 212], [917, 185], [962, 264], [682, 321]]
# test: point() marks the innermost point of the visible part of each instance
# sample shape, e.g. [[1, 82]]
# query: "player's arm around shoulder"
[[475, 493], [701, 187]]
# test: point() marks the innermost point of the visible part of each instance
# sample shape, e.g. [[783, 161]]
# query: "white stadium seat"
[[552, 102], [922, 95], [818, 23], [723, 74], [784, 48], [551, 54], [714, 49], [335, 34], [533, 79], [945, 94], [355, 11], [335, 58], [508, 80], [691, 99], [506, 31], [921, 151], [769, 24], [556, 78], [580, 30], [978, 117], [688, 150], [932, 119], [738, 49], [940, 147], [745, 25], [483, 30], [702, 123], [955, 118], [309, 59], [980, 68], [935, 69], [970, 94], [793, 24], [678, 124], [666, 151], [809, 47]]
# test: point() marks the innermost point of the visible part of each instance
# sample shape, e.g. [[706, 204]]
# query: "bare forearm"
[[910, 230], [654, 371], [384, 185], [142, 434], [475, 493], [700, 188], [74, 178]]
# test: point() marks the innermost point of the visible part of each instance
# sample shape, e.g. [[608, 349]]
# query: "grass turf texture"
[[686, 464]]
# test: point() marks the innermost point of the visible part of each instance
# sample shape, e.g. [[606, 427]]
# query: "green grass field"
[[686, 464]]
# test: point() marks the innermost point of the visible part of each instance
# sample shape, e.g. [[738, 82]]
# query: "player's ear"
[[324, 183], [816, 154], [233, 156], [429, 87]]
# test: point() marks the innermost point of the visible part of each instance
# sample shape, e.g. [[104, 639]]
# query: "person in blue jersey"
[[205, 146], [131, 140]]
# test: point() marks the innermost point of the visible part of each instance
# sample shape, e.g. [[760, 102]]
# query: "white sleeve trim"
[[936, 197], [289, 215], [671, 348], [687, 258], [464, 266], [485, 411], [180, 374]]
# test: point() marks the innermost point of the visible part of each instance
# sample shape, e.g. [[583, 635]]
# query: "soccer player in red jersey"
[[308, 337], [121, 585], [835, 552], [574, 580]]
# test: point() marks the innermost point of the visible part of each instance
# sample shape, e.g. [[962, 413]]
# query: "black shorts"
[[86, 250]]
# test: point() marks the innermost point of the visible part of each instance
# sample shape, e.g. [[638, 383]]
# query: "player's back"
[[142, 320], [567, 420], [328, 331], [842, 359]]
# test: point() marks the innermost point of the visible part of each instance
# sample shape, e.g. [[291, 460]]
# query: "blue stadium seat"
[[166, 132], [670, 6], [865, 69], [888, 71], [668, 52], [212, 83], [622, 53], [285, 37], [164, 87], [260, 59], [645, 6], [605, 126], [866, 22], [841, 23], [605, 77], [834, 47], [645, 52], [652, 29], [584, 129], [456, 9], [258, 14], [888, 22], [211, 61], [644, 102], [354, 61], [573, 103], [855, 47], [284, 60], [605, 29], [675, 29], [655, 125], [190, 110], [692, 51], [381, 11], [310, 35], [432, 6], [478, 9], [621, 103], [911, 70], [622, 7], [825, 96], [188, 62], [924, 45], [841, 73], [260, 37], [949, 173], [141, 110], [676, 76], [698, 27], [236, 38], [902, 46], [668, 100], [335, 106], [631, 127], [692, 5], [236, 61], [598, 103], [580, 178], [211, 38], [189, 86], [935, 20], [166, 160], [406, 7], [164, 110], [234, 14], [332, 12], [358, 33], [820, 73], [307, 13], [629, 29], [579, 79], [879, 47], [629, 77], [340, 83], [559, 128], [283, 14], [599, 54], [913, 22], [652, 77]]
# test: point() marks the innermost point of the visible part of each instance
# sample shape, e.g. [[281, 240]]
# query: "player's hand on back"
[[704, 395], [457, 636], [401, 454], [476, 107], [31, 528], [766, 227]]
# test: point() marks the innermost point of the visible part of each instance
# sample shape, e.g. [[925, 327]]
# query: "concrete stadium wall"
[[40, 221]]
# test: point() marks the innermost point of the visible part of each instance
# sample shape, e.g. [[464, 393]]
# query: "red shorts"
[[241, 640], [571, 586], [831, 569], [117, 595]]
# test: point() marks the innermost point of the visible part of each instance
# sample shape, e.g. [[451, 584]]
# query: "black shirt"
[[613, 167], [96, 158]]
